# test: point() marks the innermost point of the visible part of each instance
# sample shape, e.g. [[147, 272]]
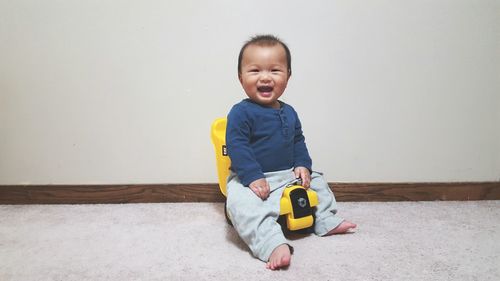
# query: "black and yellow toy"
[[297, 203]]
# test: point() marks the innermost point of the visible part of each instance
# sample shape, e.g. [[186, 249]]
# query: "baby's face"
[[264, 73]]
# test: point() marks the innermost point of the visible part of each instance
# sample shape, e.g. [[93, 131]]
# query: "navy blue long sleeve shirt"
[[261, 139]]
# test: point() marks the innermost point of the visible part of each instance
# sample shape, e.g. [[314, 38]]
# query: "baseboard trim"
[[156, 193]]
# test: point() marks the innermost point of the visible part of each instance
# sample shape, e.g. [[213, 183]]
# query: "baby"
[[268, 151]]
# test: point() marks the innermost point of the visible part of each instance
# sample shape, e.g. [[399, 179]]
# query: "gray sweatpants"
[[255, 219]]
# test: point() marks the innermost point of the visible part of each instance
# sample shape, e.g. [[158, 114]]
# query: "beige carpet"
[[395, 241]]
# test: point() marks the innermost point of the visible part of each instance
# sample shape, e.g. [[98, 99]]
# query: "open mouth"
[[265, 89]]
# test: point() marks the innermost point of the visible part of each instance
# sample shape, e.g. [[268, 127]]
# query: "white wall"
[[125, 91]]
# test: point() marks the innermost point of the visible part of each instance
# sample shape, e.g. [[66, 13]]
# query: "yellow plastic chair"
[[297, 203]]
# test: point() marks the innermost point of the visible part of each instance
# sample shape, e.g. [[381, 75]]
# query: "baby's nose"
[[265, 76]]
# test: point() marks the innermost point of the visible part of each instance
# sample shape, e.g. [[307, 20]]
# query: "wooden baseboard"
[[449, 191], [155, 193]]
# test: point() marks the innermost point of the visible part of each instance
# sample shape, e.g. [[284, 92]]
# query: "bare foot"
[[280, 257], [342, 228]]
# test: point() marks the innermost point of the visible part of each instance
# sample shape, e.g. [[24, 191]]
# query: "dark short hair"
[[266, 40]]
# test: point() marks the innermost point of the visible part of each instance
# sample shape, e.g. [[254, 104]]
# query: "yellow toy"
[[296, 204]]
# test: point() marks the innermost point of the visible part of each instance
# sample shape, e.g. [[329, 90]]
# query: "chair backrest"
[[218, 136]]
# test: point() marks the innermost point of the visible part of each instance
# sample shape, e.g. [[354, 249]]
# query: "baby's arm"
[[302, 161], [243, 160]]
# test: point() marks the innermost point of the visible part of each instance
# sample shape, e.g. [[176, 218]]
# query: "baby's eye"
[[276, 70], [253, 70]]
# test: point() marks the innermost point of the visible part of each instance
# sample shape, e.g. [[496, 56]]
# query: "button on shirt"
[[261, 139]]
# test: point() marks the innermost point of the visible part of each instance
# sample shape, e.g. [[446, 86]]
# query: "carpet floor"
[[191, 241]]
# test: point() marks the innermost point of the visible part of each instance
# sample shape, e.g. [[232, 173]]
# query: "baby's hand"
[[304, 175], [261, 188]]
